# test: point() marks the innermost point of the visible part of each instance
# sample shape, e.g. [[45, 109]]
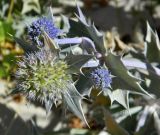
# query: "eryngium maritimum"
[[43, 77], [37, 27], [101, 77]]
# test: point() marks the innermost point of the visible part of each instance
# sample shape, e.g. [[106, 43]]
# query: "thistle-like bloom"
[[42, 76], [42, 24], [101, 77]]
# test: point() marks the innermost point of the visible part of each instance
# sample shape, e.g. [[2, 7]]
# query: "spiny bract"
[[42, 76]]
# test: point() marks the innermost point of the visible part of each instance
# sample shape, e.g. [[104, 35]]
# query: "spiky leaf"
[[112, 126], [65, 24], [123, 79], [153, 84], [48, 105], [72, 99], [120, 96], [29, 5], [83, 29], [26, 46], [148, 72], [77, 61], [84, 85], [152, 46]]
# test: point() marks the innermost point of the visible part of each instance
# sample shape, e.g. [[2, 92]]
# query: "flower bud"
[[101, 77]]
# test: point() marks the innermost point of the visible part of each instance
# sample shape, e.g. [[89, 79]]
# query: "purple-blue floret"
[[40, 25], [101, 77]]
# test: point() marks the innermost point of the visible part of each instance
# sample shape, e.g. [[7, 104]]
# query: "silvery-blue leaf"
[[152, 45], [157, 120], [112, 126], [121, 96], [123, 115], [148, 71], [135, 63], [123, 78], [50, 15], [26, 46], [76, 62], [48, 105], [29, 5], [84, 85], [152, 80], [82, 29], [143, 119], [66, 25], [88, 45], [79, 29], [81, 16], [72, 100]]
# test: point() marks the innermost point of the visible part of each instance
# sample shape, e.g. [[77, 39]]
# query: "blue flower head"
[[40, 25], [101, 77]]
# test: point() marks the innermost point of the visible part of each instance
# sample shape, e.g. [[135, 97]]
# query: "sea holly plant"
[[51, 71]]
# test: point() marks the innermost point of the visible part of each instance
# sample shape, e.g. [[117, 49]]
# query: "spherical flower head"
[[42, 24], [101, 77], [42, 76]]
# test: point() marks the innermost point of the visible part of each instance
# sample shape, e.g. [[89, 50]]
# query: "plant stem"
[[88, 43], [11, 5]]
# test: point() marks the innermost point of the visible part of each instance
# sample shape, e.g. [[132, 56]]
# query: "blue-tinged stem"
[[91, 63], [68, 41], [128, 63], [85, 42]]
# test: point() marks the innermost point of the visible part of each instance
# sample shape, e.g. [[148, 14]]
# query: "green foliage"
[[7, 66], [8, 61], [5, 30]]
